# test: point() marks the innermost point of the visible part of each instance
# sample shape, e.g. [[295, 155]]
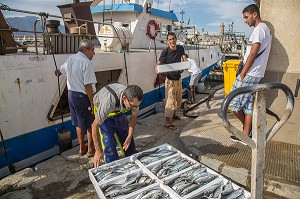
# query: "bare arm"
[[158, 63], [250, 60], [89, 92], [98, 157], [132, 124], [184, 57]]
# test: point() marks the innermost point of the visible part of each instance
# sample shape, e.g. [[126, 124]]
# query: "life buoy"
[[152, 32]]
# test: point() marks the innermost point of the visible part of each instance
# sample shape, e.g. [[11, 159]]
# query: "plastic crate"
[[229, 69], [155, 181]]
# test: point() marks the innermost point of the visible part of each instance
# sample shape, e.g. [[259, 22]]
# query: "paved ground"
[[66, 176]]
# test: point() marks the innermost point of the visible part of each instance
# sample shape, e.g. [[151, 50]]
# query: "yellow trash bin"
[[229, 69]]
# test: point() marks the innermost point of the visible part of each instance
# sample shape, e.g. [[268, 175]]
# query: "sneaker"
[[235, 139]]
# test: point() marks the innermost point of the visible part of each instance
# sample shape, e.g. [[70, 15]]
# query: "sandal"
[[89, 155], [170, 126], [82, 153]]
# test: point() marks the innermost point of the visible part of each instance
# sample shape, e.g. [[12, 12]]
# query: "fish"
[[227, 189], [189, 189], [236, 193]]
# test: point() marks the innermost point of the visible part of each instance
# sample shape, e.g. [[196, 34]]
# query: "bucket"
[[200, 87], [64, 140]]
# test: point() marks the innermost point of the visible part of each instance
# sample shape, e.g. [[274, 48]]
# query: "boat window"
[[218, 54], [211, 56], [164, 30], [202, 59], [126, 25]]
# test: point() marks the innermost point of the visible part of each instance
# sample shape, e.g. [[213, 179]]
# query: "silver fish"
[[189, 189], [236, 193], [227, 189]]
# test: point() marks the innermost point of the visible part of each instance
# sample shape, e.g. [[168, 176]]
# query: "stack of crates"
[[229, 69], [157, 182]]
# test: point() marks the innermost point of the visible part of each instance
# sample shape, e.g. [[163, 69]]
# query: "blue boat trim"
[[118, 8], [24, 146], [164, 14], [135, 8]]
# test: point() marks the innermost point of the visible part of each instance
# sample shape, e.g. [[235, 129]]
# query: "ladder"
[[108, 9]]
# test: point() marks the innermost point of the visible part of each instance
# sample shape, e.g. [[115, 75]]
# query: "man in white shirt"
[[80, 82], [255, 62], [195, 77]]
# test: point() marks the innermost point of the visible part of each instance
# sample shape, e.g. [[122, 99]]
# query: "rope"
[[126, 72], [158, 76]]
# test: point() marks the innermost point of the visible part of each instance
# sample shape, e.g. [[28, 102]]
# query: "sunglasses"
[[131, 104]]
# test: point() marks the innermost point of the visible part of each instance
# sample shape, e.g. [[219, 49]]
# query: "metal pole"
[[35, 37], [259, 137]]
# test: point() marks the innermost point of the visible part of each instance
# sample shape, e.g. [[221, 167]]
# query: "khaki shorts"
[[173, 96]]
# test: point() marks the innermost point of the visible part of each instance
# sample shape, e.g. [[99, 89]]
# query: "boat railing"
[[43, 16], [259, 134]]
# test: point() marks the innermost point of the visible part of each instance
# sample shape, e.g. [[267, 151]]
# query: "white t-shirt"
[[194, 69], [79, 71], [261, 34]]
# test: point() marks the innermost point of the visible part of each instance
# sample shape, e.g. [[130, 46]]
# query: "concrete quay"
[[203, 138]]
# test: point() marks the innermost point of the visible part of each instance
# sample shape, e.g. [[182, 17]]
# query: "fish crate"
[[157, 187], [123, 186], [153, 155], [213, 182], [112, 170], [187, 184], [175, 164]]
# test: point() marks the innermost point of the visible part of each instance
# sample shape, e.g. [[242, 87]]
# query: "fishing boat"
[[131, 38]]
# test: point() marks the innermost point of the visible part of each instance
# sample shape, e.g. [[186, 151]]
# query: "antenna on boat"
[[182, 13]]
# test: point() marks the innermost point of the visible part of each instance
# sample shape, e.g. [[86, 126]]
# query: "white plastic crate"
[[173, 67], [121, 180], [157, 183]]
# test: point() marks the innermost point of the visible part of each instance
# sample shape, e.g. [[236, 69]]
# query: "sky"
[[204, 14]]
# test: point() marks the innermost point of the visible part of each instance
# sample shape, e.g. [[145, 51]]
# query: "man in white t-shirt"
[[195, 71], [81, 81], [255, 62]]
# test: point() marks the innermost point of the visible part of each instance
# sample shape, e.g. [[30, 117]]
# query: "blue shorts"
[[80, 110], [243, 101]]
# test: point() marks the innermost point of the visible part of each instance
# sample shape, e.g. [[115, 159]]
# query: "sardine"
[[227, 189], [236, 193], [189, 189]]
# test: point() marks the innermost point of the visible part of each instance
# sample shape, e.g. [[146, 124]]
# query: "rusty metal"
[[297, 87], [259, 135]]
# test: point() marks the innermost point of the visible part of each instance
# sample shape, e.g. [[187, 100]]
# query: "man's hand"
[[127, 142], [156, 69], [57, 72], [98, 159], [242, 76]]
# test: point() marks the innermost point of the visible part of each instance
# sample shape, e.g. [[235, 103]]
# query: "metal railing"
[[259, 134], [43, 17]]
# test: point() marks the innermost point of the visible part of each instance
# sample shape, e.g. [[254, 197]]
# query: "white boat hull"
[[29, 88]]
